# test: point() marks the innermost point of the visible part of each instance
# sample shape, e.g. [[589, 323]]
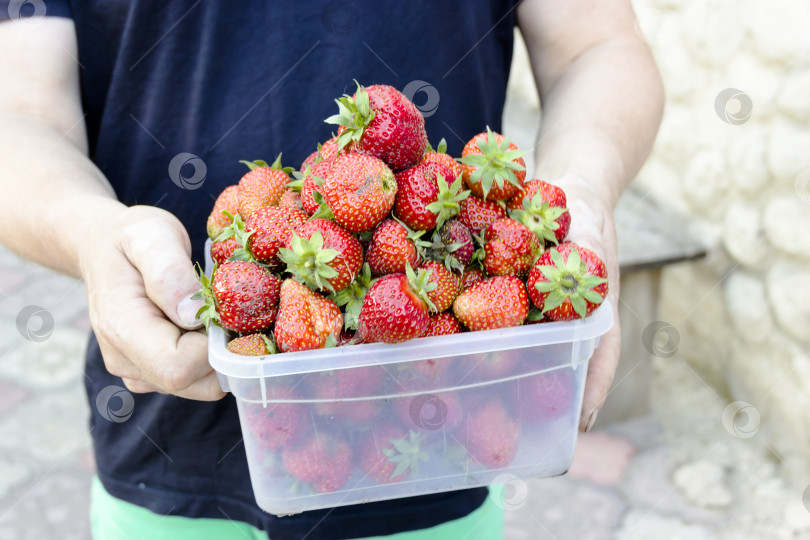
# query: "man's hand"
[[139, 276]]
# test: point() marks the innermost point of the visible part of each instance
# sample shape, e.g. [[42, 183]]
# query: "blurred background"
[[706, 432]]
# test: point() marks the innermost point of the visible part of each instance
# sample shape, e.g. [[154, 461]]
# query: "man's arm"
[[602, 101], [59, 210]]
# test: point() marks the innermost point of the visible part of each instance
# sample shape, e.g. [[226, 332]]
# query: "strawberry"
[[276, 424], [492, 435], [242, 296], [321, 459], [452, 245], [389, 453], [509, 249], [252, 345], [431, 412], [447, 285], [470, 277], [496, 302], [326, 151], [290, 199], [310, 181], [345, 384], [493, 365], [393, 245], [379, 121], [493, 168], [222, 250], [231, 241], [360, 191], [306, 320], [542, 208], [351, 297], [424, 199], [227, 201], [269, 229], [478, 214], [322, 255], [568, 282], [396, 308], [262, 186], [442, 162], [442, 324], [544, 397]]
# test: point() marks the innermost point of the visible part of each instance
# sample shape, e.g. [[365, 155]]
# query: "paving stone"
[[601, 458], [703, 482], [15, 471], [644, 432], [644, 525], [10, 396], [61, 296], [57, 361]]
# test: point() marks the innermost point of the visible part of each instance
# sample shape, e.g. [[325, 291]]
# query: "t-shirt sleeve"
[[21, 9]]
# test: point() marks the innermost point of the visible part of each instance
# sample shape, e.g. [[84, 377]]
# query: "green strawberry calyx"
[[309, 262], [236, 230], [352, 296], [276, 165], [446, 205], [441, 148], [354, 114], [207, 313], [406, 454], [539, 217], [569, 280], [415, 237], [495, 164], [421, 284], [443, 253]]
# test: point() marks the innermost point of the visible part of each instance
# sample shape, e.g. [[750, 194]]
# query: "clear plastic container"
[[370, 422]]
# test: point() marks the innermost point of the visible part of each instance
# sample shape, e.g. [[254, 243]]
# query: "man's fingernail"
[[590, 421], [187, 310]]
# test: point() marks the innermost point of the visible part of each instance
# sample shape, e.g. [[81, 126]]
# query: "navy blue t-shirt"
[[217, 81]]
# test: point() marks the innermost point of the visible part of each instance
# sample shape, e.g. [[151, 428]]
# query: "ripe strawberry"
[[568, 282], [542, 208], [425, 200], [379, 121], [323, 460], [309, 182], [347, 384], [492, 435], [509, 249], [442, 324], [447, 285], [226, 202], [396, 308], [470, 277], [222, 250], [351, 297], [242, 296], [252, 345], [322, 255], [452, 245], [478, 214], [290, 199], [493, 168], [231, 241], [360, 191], [389, 453], [269, 229], [496, 302], [306, 320], [326, 151], [431, 412], [544, 397], [276, 424], [442, 162], [393, 245], [262, 186]]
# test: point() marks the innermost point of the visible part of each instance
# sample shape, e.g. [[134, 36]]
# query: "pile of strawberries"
[[378, 237]]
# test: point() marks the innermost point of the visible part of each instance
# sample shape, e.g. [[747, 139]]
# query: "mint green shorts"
[[114, 519]]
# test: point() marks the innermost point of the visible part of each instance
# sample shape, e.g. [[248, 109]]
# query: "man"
[[101, 104]]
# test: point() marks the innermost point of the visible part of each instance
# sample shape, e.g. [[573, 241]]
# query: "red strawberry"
[[326, 151], [542, 208], [509, 249], [290, 199], [242, 296], [389, 453], [322, 255], [222, 250], [262, 186], [360, 191], [345, 384], [309, 182], [431, 412], [492, 435], [544, 397], [321, 459], [252, 345], [226, 202], [568, 282], [442, 162], [231, 241], [306, 320], [379, 121], [470, 277], [442, 324], [494, 365], [392, 247], [478, 214], [453, 245], [496, 302], [447, 285], [425, 199], [276, 424], [269, 229], [493, 168], [396, 308]]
